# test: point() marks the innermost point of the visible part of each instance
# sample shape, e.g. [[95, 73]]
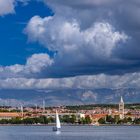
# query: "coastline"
[[68, 125]]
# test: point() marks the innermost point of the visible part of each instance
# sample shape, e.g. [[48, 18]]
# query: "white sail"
[[21, 108], [58, 125]]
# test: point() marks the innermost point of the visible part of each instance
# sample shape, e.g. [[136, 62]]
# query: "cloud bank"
[[95, 45], [89, 37], [79, 82]]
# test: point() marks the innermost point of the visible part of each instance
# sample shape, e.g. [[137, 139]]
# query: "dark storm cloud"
[[90, 36]]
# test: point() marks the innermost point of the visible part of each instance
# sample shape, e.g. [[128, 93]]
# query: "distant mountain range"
[[68, 97]]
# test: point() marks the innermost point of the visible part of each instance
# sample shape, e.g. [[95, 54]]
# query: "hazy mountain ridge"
[[68, 97]]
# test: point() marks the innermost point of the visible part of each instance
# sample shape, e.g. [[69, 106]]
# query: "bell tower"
[[121, 108]]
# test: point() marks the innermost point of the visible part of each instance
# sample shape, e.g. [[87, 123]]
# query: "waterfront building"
[[8, 115], [78, 115], [96, 117]]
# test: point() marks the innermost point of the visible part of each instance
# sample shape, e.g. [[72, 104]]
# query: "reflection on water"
[[70, 133], [58, 132]]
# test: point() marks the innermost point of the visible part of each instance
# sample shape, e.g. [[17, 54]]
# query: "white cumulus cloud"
[[75, 46], [7, 7], [33, 67]]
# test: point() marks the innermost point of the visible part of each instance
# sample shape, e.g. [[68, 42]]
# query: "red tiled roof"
[[98, 115], [7, 114]]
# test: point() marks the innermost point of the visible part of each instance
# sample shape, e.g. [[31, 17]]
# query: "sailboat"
[[58, 125]]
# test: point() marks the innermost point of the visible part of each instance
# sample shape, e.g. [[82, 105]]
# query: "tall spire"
[[43, 106], [21, 109], [121, 108], [122, 100]]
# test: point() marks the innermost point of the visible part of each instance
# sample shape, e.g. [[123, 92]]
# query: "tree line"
[[116, 120], [69, 119]]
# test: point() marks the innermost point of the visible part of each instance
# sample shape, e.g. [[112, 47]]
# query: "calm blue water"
[[70, 133]]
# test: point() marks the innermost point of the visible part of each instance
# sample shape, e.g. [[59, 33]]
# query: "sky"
[[65, 44]]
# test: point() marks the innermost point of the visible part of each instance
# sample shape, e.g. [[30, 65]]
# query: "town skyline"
[[96, 114]]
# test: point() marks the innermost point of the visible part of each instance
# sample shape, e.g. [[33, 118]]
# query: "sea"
[[70, 133]]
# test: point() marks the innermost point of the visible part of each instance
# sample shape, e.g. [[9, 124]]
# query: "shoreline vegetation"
[[71, 120], [70, 125]]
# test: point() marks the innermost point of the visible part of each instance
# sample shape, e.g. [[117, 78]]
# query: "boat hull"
[[55, 129]]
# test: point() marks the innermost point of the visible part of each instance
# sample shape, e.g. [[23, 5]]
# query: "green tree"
[[102, 121], [129, 120], [137, 121], [82, 121], [66, 119], [110, 119], [51, 120], [88, 120], [72, 119], [116, 118]]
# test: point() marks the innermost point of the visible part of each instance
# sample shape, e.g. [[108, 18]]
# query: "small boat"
[[58, 125]]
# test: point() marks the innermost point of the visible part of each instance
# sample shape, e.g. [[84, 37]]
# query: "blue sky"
[[14, 47], [51, 44]]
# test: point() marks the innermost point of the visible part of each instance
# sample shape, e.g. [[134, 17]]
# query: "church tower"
[[121, 108]]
